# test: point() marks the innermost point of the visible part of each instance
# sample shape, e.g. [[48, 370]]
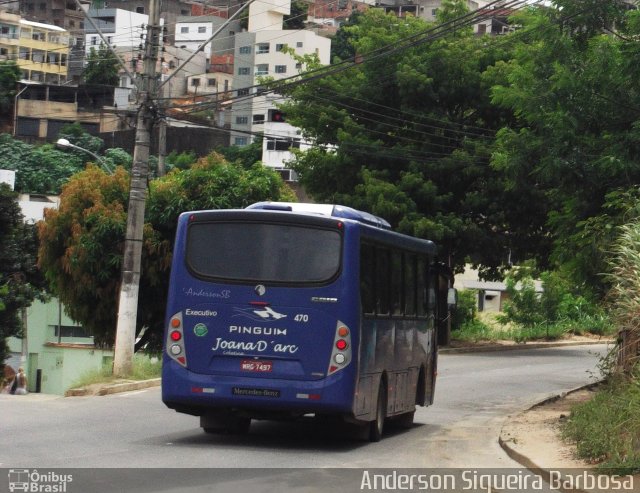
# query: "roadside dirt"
[[533, 438], [535, 433]]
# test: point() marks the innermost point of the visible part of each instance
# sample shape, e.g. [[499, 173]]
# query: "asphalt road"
[[475, 393]]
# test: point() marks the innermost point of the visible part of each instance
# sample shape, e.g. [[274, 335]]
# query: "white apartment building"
[[122, 28], [191, 32], [259, 53]]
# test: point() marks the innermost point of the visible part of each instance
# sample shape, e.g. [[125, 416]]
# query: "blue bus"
[[283, 310]]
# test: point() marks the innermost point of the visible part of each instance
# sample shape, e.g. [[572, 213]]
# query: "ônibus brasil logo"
[[33, 481]]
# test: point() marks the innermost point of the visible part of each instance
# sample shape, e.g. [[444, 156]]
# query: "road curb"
[[527, 462], [516, 347], [114, 388]]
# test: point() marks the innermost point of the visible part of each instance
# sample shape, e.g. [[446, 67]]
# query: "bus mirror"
[[452, 298]]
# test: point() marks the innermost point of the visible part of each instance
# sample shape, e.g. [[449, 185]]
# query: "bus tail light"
[[174, 345], [341, 353]]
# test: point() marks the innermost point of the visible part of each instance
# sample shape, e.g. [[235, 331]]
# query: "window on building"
[[94, 40], [298, 66], [70, 331], [434, 12], [282, 144], [262, 69], [245, 50], [81, 25], [299, 44], [195, 82], [202, 29], [281, 69], [185, 12], [240, 141], [258, 119], [281, 46], [140, 10], [242, 120], [212, 82], [243, 92], [262, 48], [226, 85], [482, 28], [184, 29], [244, 71]]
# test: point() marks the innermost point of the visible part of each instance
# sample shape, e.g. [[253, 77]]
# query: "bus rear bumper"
[[197, 394]]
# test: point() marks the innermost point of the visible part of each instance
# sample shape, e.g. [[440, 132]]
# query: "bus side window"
[[410, 285], [421, 274], [396, 283], [367, 279], [382, 281]]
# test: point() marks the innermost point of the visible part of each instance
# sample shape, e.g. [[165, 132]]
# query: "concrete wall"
[[61, 360]]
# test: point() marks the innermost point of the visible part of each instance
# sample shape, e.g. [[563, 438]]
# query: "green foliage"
[[247, 155], [45, 169], [606, 429], [102, 67], [75, 134], [625, 278], [559, 309], [341, 47], [523, 306], [182, 160], [297, 17], [20, 282], [465, 310], [573, 148], [9, 77], [82, 241], [412, 144], [475, 330]]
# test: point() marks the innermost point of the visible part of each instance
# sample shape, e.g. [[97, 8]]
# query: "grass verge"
[[606, 430], [144, 368], [487, 328]]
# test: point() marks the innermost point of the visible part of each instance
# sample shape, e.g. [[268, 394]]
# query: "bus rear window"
[[261, 252]]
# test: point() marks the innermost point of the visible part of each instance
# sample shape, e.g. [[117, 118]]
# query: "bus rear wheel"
[[376, 427]]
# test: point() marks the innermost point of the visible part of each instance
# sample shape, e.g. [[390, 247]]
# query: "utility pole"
[[131, 265]]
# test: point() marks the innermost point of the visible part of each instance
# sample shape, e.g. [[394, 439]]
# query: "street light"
[[65, 144]]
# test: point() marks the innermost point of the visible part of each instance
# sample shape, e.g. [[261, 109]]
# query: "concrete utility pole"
[[131, 266]]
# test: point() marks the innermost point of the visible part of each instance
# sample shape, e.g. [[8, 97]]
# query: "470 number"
[[300, 317]]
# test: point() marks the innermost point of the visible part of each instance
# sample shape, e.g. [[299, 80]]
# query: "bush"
[[466, 309], [606, 429], [554, 312]]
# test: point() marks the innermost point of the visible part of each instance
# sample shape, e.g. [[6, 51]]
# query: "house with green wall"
[[55, 350]]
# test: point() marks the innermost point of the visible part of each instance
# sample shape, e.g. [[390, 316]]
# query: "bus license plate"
[[257, 366]]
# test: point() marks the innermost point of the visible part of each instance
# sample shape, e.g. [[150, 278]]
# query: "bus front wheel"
[[376, 427]]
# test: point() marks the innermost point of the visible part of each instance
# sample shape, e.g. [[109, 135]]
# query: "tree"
[[409, 137], [575, 144], [246, 155], [45, 169], [296, 19], [102, 67], [9, 77], [39, 169], [20, 282], [82, 241]]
